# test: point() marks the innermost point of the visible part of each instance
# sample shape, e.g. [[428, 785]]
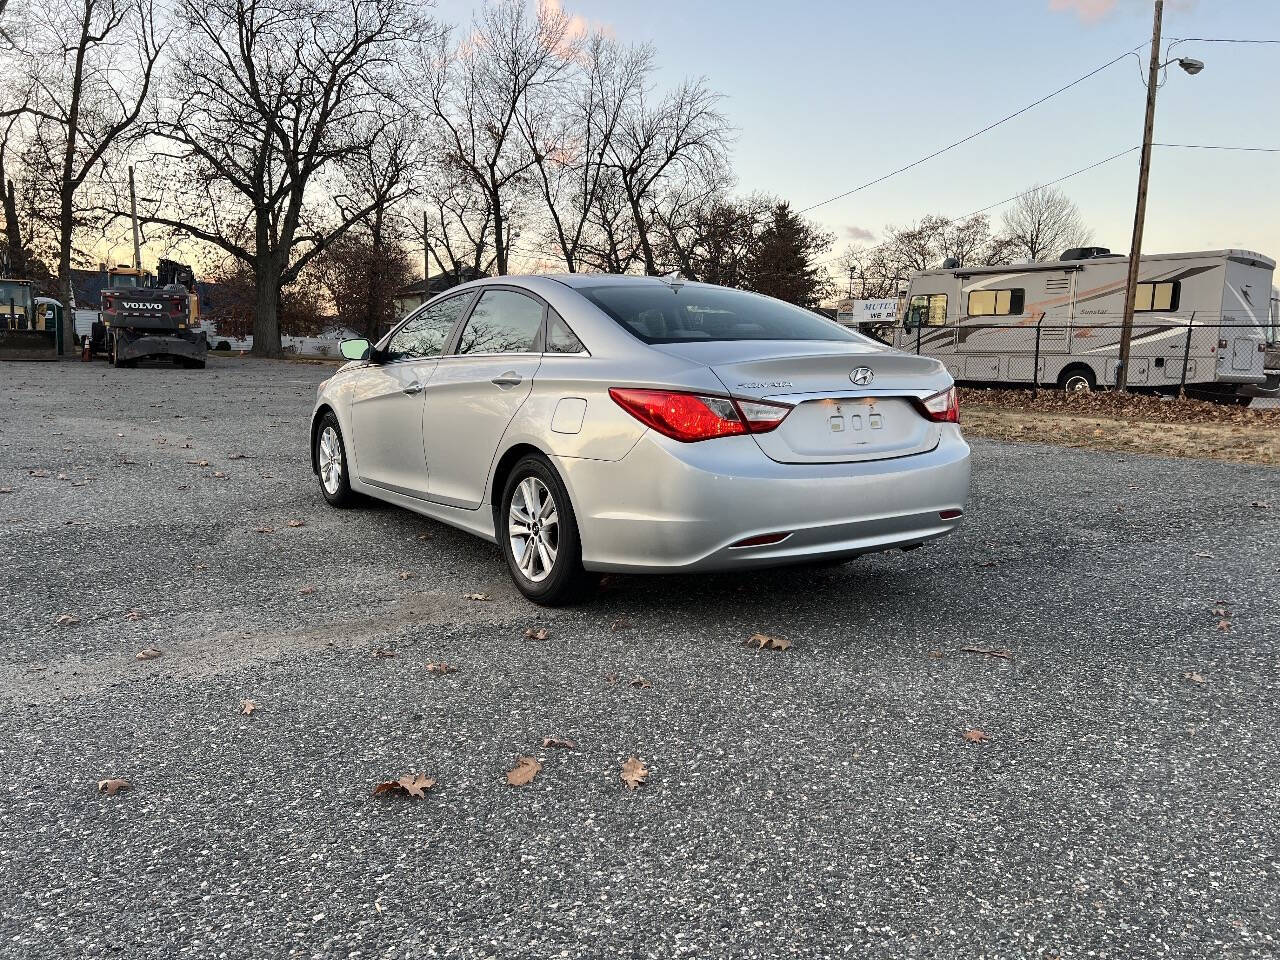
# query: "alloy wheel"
[[533, 527], [330, 460]]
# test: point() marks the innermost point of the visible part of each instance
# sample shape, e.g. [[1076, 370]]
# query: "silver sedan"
[[593, 423]]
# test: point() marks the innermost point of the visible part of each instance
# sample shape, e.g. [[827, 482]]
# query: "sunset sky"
[[827, 95]]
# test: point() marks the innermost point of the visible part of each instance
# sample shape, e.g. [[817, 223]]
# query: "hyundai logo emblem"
[[862, 376]]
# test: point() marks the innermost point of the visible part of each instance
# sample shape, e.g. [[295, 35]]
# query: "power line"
[[1214, 146], [972, 136], [1018, 196], [1216, 40]]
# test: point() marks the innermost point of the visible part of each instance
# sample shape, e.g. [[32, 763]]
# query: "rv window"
[[928, 310], [1158, 296], [995, 303]]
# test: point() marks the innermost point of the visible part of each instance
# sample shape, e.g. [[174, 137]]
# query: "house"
[[419, 292]]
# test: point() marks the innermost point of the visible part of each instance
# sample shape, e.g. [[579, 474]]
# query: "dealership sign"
[[854, 312]]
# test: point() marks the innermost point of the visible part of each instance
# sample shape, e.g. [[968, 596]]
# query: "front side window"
[[502, 321], [928, 310], [427, 332], [996, 303], [560, 339], [688, 313], [1158, 296]]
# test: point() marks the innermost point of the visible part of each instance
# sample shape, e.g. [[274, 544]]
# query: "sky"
[[826, 95]]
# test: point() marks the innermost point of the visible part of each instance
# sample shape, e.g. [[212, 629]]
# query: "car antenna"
[[674, 281]]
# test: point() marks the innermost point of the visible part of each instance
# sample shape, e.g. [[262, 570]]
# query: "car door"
[[387, 401], [475, 392]]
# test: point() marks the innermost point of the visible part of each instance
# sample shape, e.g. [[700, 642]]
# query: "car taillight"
[[690, 417], [942, 407]]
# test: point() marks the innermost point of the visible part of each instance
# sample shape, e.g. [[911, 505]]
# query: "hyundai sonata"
[[592, 423]]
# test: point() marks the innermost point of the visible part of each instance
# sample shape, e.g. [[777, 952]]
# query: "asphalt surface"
[[819, 801]]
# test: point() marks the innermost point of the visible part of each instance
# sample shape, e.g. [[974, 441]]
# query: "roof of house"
[[440, 281]]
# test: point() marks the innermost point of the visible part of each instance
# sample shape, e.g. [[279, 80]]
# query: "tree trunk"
[[266, 313], [498, 226], [64, 262], [650, 264], [13, 232]]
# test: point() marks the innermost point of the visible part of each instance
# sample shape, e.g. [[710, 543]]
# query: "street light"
[[1192, 67]]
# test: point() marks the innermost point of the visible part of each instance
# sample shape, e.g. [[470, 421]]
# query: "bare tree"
[[476, 89], [683, 136], [568, 129], [1042, 223], [281, 132], [92, 64]]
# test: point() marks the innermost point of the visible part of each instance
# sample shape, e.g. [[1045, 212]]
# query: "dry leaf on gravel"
[[405, 575], [1193, 677], [113, 786], [476, 596], [764, 641], [1204, 555], [6, 489], [198, 463], [380, 653], [1260, 505], [935, 654], [440, 668], [37, 473], [265, 530], [1224, 626], [640, 683], [541, 633], [219, 475], [622, 623], [610, 678], [237, 456], [67, 620], [557, 743], [633, 772], [411, 785], [1219, 611], [1002, 654], [297, 523], [975, 736], [424, 536], [523, 772], [150, 653], [305, 591], [248, 706]]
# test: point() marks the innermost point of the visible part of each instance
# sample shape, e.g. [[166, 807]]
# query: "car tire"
[[332, 463], [522, 524], [1077, 379]]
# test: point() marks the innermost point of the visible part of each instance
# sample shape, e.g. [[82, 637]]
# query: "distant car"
[[616, 423]]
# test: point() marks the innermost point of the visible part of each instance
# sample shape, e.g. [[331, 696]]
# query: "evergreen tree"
[[785, 262]]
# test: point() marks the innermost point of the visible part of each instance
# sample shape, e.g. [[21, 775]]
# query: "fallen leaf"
[[1224, 626], [113, 786], [542, 633], [219, 475], [1219, 611], [611, 678], [975, 736], [6, 489], [297, 523], [640, 682], [67, 620], [476, 596], [411, 784], [405, 575], [1193, 677], [133, 615], [265, 530], [523, 772], [150, 653], [383, 652], [557, 743], [1204, 555], [306, 590], [424, 536], [935, 654], [1002, 654], [622, 623], [37, 473], [763, 641], [988, 563], [198, 463], [237, 456], [440, 668], [634, 772], [1260, 505], [247, 707]]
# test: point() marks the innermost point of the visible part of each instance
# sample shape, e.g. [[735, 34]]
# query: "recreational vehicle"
[[1201, 320]]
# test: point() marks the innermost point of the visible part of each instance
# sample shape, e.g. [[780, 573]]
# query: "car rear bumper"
[[670, 506]]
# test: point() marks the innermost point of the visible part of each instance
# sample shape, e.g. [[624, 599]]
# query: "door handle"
[[413, 388], [508, 379]]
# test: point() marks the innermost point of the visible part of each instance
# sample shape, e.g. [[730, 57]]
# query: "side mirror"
[[358, 349]]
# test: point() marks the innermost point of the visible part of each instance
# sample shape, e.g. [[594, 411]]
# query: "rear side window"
[[928, 309], [687, 313], [560, 339], [502, 321], [1158, 296], [996, 303], [428, 331]]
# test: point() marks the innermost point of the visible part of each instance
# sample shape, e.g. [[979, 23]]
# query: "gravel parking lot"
[[818, 801]]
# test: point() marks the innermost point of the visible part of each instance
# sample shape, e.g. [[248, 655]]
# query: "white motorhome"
[[1201, 319]]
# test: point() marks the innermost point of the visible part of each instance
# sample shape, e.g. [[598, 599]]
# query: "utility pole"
[[426, 258], [1140, 214], [133, 209], [851, 273]]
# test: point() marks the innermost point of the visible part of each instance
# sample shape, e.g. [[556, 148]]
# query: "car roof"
[[579, 280]]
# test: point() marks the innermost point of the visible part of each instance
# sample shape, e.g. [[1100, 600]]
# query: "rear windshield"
[[657, 313]]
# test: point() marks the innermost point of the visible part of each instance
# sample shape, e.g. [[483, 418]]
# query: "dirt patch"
[[1134, 424]]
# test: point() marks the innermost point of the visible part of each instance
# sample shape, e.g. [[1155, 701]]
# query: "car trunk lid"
[[835, 419]]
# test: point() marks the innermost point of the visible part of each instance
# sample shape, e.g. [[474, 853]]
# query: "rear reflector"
[[950, 514], [764, 540], [689, 417]]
